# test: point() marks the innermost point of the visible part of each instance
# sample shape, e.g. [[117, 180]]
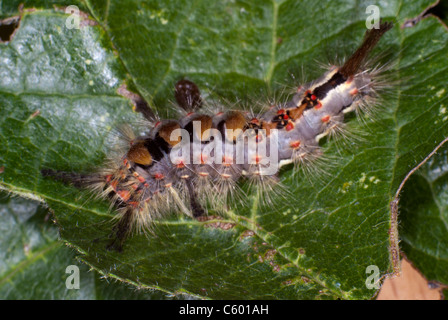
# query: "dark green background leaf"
[[33, 261], [424, 218], [318, 243]]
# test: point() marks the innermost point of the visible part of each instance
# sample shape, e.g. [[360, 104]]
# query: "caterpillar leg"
[[196, 207], [121, 231]]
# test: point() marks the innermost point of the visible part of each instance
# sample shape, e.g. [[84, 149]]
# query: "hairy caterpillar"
[[196, 160]]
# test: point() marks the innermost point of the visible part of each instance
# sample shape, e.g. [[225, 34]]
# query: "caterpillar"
[[196, 161]]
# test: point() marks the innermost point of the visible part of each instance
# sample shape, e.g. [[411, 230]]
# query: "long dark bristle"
[[121, 231], [76, 179], [371, 38]]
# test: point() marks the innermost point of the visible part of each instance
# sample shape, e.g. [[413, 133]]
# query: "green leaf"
[[316, 243], [33, 261], [424, 218]]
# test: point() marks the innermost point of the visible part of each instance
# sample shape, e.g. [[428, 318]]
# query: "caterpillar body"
[[196, 161]]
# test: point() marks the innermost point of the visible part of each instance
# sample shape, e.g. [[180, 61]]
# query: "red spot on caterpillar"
[[125, 161], [190, 114], [295, 144], [159, 176], [286, 117], [180, 165], [227, 161], [141, 179], [281, 111], [157, 124], [354, 92], [289, 126], [220, 113], [203, 158], [114, 184], [258, 159], [124, 195], [313, 97], [108, 178], [255, 121], [325, 119], [318, 105], [133, 204]]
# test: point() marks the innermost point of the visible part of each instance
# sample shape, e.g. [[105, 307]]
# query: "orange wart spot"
[[203, 174], [295, 144], [203, 158], [281, 111], [159, 176], [124, 195], [289, 126], [133, 204], [227, 161], [180, 165], [254, 121], [114, 184], [325, 118], [225, 175], [354, 92], [141, 179], [258, 159], [108, 177]]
